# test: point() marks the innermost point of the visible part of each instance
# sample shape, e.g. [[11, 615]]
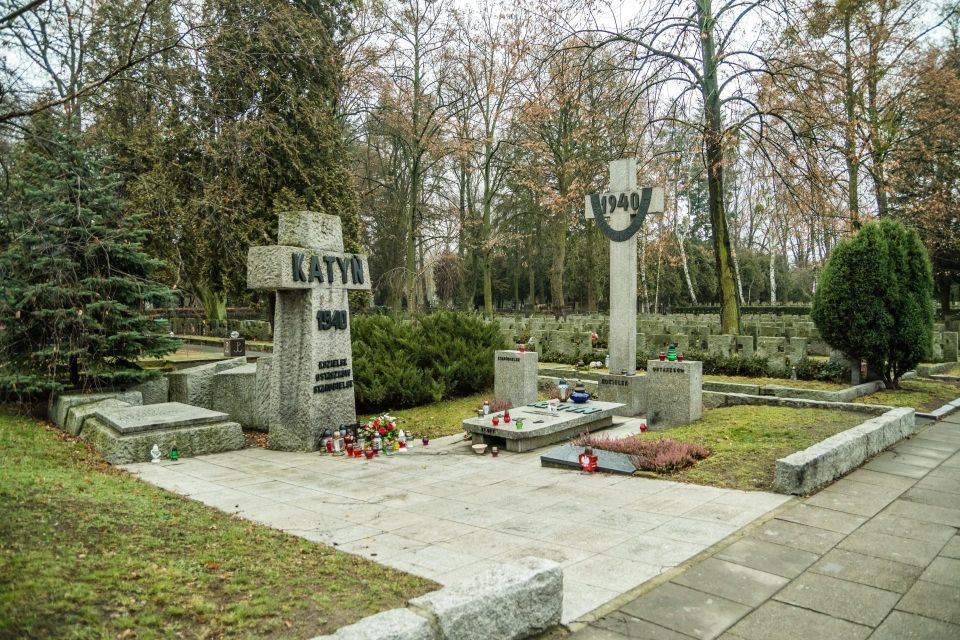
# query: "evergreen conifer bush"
[[386, 367], [874, 299], [459, 349], [74, 277], [405, 363]]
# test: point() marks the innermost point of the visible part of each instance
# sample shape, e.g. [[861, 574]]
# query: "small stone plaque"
[[568, 457]]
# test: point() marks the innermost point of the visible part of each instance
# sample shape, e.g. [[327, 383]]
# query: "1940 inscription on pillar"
[[311, 386]]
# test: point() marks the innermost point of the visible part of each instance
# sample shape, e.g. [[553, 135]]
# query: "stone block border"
[[508, 602], [714, 399], [786, 391], [804, 471]]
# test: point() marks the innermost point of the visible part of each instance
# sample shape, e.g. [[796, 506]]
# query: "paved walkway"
[[444, 513], [874, 555]]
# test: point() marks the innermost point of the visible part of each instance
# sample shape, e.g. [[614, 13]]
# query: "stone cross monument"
[[620, 213], [311, 373]]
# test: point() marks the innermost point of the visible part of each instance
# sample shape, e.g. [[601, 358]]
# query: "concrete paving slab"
[[945, 571], [821, 518], [839, 598], [852, 487], [686, 610], [924, 512], [881, 479], [895, 468], [868, 570], [769, 557], [907, 528], [860, 505], [952, 548], [731, 581], [932, 497], [933, 601], [880, 545], [798, 536], [778, 620], [907, 626], [627, 626]]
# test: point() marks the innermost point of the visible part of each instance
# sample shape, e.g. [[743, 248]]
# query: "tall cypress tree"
[[74, 274]]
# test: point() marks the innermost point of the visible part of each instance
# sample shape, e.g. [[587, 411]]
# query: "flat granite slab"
[[540, 428], [151, 417], [568, 457]]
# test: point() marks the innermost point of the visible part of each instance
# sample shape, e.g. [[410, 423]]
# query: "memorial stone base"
[[540, 428], [631, 391], [126, 434], [674, 393]]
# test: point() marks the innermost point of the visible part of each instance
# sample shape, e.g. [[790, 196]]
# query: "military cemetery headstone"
[[674, 393], [515, 377], [311, 373]]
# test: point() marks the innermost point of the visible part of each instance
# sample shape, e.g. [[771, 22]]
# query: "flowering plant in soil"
[[385, 426], [662, 455]]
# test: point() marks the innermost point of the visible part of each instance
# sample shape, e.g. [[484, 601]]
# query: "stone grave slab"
[[166, 415], [568, 457], [540, 428], [126, 434]]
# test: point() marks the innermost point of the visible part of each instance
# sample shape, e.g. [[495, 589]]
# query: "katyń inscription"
[[311, 374]]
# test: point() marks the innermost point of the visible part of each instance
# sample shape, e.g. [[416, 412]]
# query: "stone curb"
[[714, 399], [804, 471], [508, 602]]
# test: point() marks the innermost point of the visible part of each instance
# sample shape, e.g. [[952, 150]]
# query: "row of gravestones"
[[778, 344]]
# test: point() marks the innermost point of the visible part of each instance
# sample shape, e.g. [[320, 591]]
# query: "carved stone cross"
[[620, 213], [311, 372]]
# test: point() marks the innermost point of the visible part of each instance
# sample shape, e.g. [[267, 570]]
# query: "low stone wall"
[[502, 603], [59, 405], [716, 399], [927, 370], [804, 471], [785, 391]]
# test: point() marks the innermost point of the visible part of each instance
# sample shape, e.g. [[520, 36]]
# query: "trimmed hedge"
[[404, 363]]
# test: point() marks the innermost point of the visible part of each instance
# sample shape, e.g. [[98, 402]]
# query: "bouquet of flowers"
[[384, 426]]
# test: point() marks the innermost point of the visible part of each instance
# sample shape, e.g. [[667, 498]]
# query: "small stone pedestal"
[[674, 393], [515, 377], [234, 347], [627, 390]]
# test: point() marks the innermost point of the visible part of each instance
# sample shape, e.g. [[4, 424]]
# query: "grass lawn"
[[437, 419], [88, 551], [922, 395], [746, 442], [783, 382]]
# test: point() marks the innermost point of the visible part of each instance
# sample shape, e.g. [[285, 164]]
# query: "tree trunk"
[[736, 271], [559, 246], [686, 269], [944, 284], [773, 279], [644, 291], [850, 128], [531, 276], [591, 273], [410, 269], [713, 147]]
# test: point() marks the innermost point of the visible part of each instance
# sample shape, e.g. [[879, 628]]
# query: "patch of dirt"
[[258, 439]]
